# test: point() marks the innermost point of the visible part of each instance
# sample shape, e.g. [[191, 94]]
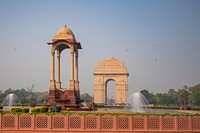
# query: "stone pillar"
[[76, 70], [52, 81], [103, 93], [99, 90], [58, 83], [72, 87], [126, 91]]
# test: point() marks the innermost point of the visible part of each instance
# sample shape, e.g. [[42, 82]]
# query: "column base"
[[66, 98], [72, 85], [58, 85], [52, 85], [77, 86], [52, 93]]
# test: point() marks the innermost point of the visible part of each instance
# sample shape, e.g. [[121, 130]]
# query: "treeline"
[[25, 96], [175, 98]]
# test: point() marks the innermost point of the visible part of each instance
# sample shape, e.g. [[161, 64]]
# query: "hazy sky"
[[159, 40]]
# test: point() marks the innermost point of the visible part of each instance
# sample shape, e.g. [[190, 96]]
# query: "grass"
[[104, 113]]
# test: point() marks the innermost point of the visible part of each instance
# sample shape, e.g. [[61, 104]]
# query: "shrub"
[[51, 109], [1, 111], [100, 106], [1, 106], [44, 109], [166, 107], [15, 110], [25, 110], [68, 109], [58, 108], [195, 109], [35, 110]]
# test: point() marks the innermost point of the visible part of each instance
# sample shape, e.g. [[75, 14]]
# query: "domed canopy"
[[64, 34]]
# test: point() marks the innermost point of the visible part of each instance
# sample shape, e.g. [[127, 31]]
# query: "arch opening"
[[65, 68], [110, 92], [61, 46]]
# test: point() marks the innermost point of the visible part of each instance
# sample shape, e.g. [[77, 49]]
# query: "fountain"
[[11, 100], [137, 103]]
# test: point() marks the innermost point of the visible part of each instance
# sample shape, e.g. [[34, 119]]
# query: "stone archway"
[[111, 69]]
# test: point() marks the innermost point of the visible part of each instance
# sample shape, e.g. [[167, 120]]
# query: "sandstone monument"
[[110, 69], [65, 97]]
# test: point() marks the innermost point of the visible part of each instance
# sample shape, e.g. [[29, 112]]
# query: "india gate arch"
[[106, 70], [65, 97]]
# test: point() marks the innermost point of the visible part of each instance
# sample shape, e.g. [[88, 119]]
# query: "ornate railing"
[[92, 122]]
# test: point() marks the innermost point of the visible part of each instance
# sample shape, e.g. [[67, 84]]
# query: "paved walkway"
[[188, 111]]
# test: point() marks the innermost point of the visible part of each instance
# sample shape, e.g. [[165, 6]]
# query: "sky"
[[159, 41]]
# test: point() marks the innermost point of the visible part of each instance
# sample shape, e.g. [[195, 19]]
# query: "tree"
[[173, 95], [7, 92], [42, 96], [149, 96], [145, 93], [163, 99], [30, 90], [86, 97], [194, 96], [23, 101], [182, 93]]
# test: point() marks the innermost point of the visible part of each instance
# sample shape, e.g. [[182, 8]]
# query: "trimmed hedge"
[[35, 110], [68, 109], [44, 109], [15, 110], [165, 107], [58, 108], [25, 110], [175, 108]]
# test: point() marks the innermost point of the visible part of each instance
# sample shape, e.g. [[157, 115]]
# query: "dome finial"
[[65, 26]]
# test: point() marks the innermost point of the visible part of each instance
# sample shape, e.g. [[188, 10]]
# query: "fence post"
[[67, 122], [17, 121], [50, 122], [34, 121], [115, 122], [99, 122], [0, 121], [83, 122], [190, 123], [131, 122], [161, 122], [146, 122], [176, 122]]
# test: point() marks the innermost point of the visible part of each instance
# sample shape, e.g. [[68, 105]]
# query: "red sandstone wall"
[[15, 123]]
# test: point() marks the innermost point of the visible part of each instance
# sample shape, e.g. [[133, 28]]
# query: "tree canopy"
[[171, 98], [175, 98]]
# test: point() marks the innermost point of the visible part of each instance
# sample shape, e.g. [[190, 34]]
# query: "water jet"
[[137, 103]]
